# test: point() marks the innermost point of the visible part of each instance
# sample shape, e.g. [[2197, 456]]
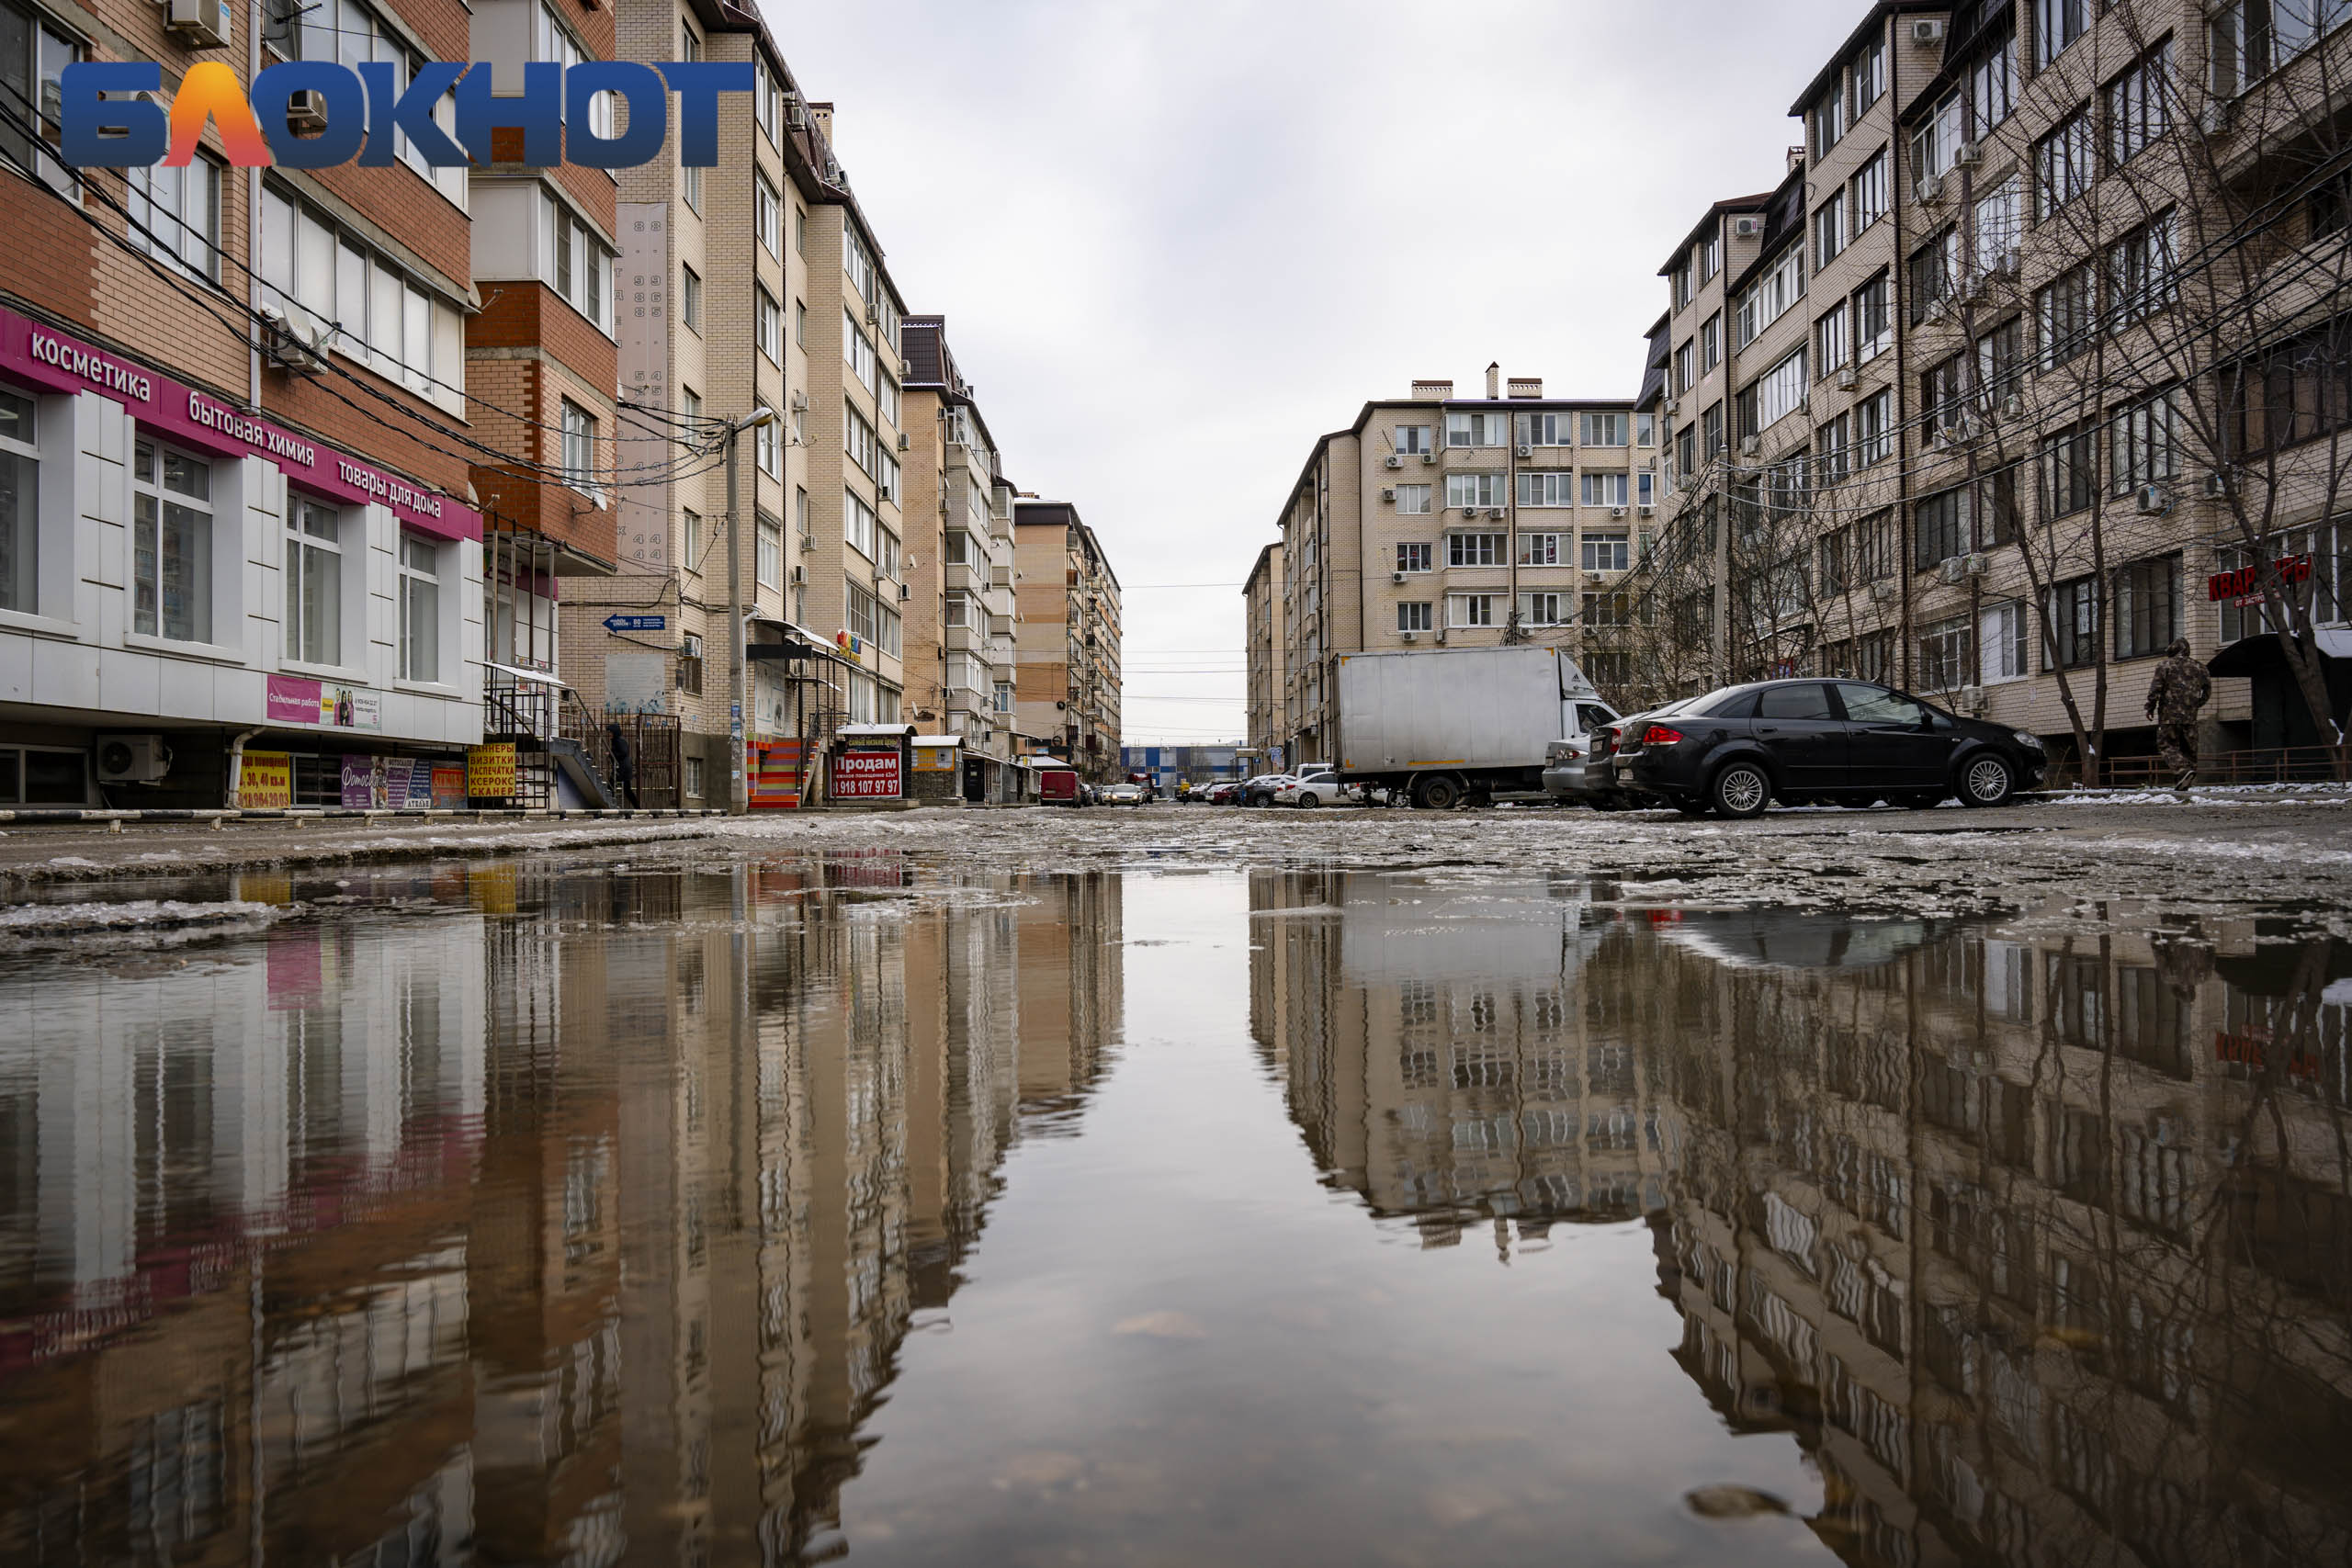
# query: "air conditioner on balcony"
[[1847, 377], [1394, 461], [1928, 189], [1968, 155], [1595, 579], [1953, 570], [1748, 227], [2153, 499], [1673, 405], [2218, 117], [1495, 512], [807, 542], [2013, 407], [200, 24], [873, 314], [1979, 564], [1395, 577], [1935, 309]]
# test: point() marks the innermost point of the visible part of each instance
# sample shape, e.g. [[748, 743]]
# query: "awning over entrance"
[[2251, 655]]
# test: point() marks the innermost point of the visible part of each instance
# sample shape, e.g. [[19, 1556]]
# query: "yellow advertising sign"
[[935, 759], [490, 771], [264, 781]]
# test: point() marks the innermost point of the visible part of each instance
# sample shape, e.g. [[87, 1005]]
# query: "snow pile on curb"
[[157, 921]]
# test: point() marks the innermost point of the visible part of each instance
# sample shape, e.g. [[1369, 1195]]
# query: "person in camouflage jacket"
[[2178, 690]]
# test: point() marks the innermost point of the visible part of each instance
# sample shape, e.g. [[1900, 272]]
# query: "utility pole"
[[737, 800]]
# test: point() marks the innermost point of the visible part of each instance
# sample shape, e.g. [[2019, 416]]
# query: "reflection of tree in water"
[[2040, 1248]]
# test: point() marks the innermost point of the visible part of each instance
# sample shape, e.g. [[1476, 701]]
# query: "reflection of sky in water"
[[731, 1214]]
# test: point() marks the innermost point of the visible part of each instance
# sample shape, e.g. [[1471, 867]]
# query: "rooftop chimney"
[[1493, 380], [1526, 386], [821, 116], [1796, 159], [1428, 390]]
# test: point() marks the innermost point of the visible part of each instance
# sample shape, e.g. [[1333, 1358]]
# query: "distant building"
[[1066, 690], [1169, 765]]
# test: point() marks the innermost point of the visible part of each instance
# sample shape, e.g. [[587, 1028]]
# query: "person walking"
[[2178, 690], [624, 765]]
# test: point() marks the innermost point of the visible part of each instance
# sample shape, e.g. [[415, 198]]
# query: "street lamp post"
[[737, 794]]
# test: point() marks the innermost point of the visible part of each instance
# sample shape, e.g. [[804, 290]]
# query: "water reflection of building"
[[2040, 1248], [586, 1223], [1444, 1056]]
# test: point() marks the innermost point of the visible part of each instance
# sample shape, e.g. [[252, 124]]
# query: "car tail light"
[[1659, 735]]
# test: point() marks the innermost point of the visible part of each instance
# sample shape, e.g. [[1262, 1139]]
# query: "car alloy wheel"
[[1742, 790], [1986, 782], [1308, 798]]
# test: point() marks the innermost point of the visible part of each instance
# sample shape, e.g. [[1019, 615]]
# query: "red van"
[[1056, 785]]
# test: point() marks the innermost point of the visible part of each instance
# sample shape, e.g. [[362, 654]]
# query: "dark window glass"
[[1876, 705], [1793, 702]]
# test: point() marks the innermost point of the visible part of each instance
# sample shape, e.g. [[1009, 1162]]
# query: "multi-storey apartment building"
[[238, 551], [960, 563], [1262, 605], [1994, 391], [1066, 691], [1441, 522]]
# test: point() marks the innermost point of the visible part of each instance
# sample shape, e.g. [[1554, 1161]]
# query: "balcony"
[[966, 640], [962, 576]]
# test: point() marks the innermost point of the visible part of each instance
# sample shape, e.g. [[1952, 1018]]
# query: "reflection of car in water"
[[1787, 941]]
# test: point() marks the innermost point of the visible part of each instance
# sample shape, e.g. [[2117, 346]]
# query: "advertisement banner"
[[292, 699], [490, 771], [936, 759], [773, 780], [363, 785], [264, 781], [867, 775], [448, 785]]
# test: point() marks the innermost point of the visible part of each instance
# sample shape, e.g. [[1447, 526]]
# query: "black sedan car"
[[1848, 742]]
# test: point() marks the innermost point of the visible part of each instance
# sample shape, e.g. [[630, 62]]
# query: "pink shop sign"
[[31, 351], [295, 700]]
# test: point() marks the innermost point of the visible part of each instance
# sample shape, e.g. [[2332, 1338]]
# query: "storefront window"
[[170, 545], [19, 505], [420, 610], [313, 582]]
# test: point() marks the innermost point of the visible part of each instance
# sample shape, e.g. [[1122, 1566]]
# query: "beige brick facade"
[[1066, 690]]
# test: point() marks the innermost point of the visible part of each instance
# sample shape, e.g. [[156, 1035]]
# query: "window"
[[1412, 440], [175, 215], [1999, 222], [1935, 267], [1996, 507], [324, 279], [767, 215], [1540, 549], [580, 449], [1413, 557], [1474, 549], [2074, 625], [1469, 429], [2137, 108], [1547, 429], [691, 522], [1866, 195], [2063, 166], [2147, 607], [1827, 121], [1874, 428], [1874, 321], [1992, 83], [33, 57], [860, 527], [19, 506], [582, 262], [1416, 615], [2252, 38], [1468, 491], [1835, 448], [1548, 487], [1830, 343], [1686, 449], [799, 229], [2293, 391], [1770, 296], [1711, 430], [1412, 498], [2139, 444], [1003, 697], [886, 395], [1874, 547], [170, 545], [1645, 488], [1609, 610], [1935, 145], [767, 448], [2069, 482], [1941, 391], [1470, 609], [858, 262], [771, 105], [767, 325], [1947, 655], [1542, 609], [1866, 79], [857, 351], [313, 574], [1709, 256], [2140, 272], [349, 32], [1942, 528], [694, 765], [1682, 287], [768, 565], [2065, 315], [420, 575], [1828, 232], [1605, 552], [1604, 489], [690, 298], [2000, 361], [2004, 631], [1779, 392], [800, 323], [1711, 341], [2056, 24], [1836, 550], [690, 184]]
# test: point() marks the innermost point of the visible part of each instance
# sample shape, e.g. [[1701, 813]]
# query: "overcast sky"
[[1175, 243]]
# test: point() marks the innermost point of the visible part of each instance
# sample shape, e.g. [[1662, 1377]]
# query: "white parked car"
[[1320, 787], [1125, 794]]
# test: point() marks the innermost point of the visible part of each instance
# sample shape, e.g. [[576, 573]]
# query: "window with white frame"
[[552, 40], [858, 262], [1866, 195], [1874, 428], [767, 448], [19, 506], [1828, 232], [1645, 430], [1709, 255], [1467, 490], [1826, 120], [1412, 439], [579, 450], [582, 263], [1413, 556], [1873, 318], [1545, 609], [1645, 488], [2004, 631], [1604, 429], [1711, 341], [1470, 609], [1546, 487], [313, 574], [767, 325], [1468, 428], [2056, 24], [382, 316], [1830, 343], [768, 556], [2000, 224], [1947, 660], [171, 543], [1540, 549], [1474, 549], [175, 215], [1935, 145], [2140, 445], [351, 32], [690, 522], [690, 298], [1547, 429], [1415, 615], [1604, 489], [690, 184], [2137, 109], [2064, 162], [1866, 78], [420, 608], [771, 104], [1780, 391], [959, 609], [1004, 703], [767, 215], [886, 396], [2140, 272], [1769, 297], [857, 351], [1412, 498], [860, 525], [1610, 551]]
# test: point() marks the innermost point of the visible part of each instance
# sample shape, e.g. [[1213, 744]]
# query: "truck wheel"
[[1439, 792], [1740, 790]]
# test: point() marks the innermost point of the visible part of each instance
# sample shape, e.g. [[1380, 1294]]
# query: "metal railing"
[[2264, 764]]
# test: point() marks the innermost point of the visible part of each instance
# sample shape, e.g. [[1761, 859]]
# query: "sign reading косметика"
[[365, 109]]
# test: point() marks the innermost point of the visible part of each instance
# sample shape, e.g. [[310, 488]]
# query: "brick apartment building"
[[1066, 691], [1262, 597]]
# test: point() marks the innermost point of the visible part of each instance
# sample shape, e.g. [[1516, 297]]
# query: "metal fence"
[[2267, 764]]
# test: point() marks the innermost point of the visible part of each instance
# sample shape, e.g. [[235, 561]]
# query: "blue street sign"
[[637, 623]]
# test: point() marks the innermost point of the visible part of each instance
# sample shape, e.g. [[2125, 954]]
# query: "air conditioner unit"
[[1953, 570], [807, 542], [904, 445], [1935, 309], [905, 592], [1616, 511], [1748, 445], [873, 314], [799, 576], [796, 113], [1748, 227], [2013, 407], [2153, 499], [1441, 634], [1648, 510], [2219, 117], [799, 403], [306, 111], [1972, 699], [882, 490], [1847, 379], [1394, 461], [288, 344], [1428, 456], [1395, 577], [1495, 512], [132, 759], [1968, 155], [1926, 32], [1595, 578], [201, 24], [1408, 637], [1525, 450], [1979, 564], [2216, 485], [1928, 189], [1881, 591], [1388, 492]]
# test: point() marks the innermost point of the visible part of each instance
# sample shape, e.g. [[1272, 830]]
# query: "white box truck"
[[1441, 727]]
